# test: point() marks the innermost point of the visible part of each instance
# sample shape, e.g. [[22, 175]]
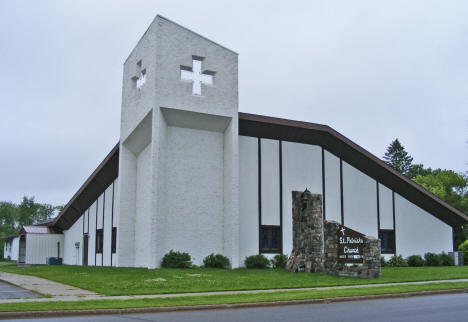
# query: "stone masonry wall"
[[315, 242], [307, 253]]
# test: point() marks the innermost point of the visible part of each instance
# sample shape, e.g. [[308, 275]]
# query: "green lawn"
[[131, 281], [226, 299]]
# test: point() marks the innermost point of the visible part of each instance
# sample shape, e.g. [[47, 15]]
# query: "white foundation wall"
[[193, 219], [359, 201], [41, 246], [332, 187], [248, 197], [72, 255], [302, 168], [418, 232], [143, 209]]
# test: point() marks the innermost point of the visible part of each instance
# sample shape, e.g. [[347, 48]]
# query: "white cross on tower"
[[196, 75]]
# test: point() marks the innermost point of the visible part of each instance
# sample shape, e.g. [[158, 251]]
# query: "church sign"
[[350, 245]]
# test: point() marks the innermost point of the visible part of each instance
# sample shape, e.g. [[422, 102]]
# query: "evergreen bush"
[[447, 260], [397, 261], [176, 260], [279, 261], [257, 261], [216, 261], [463, 247], [415, 261], [432, 259]]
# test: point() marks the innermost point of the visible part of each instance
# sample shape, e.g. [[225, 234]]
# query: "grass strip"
[[134, 281], [226, 299]]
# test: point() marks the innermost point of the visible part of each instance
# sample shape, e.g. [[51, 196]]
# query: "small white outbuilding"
[[37, 243]]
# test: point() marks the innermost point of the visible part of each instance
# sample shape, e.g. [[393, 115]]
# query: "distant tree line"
[[28, 212], [448, 185]]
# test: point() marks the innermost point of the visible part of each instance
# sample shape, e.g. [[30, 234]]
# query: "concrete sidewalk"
[[61, 292], [46, 287]]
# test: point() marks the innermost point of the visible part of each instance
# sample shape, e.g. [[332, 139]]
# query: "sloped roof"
[[287, 130], [355, 155], [97, 182], [37, 230]]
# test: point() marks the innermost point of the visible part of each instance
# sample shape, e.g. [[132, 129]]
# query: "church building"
[[191, 173]]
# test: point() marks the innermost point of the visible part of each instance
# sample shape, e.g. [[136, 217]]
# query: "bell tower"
[[178, 171]]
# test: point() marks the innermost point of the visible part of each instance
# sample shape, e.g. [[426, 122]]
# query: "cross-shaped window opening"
[[196, 76], [140, 77]]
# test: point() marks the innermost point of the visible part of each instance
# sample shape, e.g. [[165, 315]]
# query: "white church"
[[191, 173]]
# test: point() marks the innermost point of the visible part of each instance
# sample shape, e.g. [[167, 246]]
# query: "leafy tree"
[[398, 158], [451, 187], [8, 213], [417, 170]]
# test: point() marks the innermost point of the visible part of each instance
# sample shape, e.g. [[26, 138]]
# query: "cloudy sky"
[[373, 70]]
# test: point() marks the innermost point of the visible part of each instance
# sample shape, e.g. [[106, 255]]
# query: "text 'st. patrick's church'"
[[190, 173]]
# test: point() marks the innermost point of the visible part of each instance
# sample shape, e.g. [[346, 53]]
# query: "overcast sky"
[[372, 70]]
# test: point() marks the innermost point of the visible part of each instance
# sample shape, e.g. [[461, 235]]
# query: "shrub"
[[447, 260], [257, 261], [415, 260], [279, 261], [463, 247], [383, 262], [433, 259], [397, 261], [176, 260], [216, 261]]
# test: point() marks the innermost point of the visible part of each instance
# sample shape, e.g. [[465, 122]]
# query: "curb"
[[62, 313]]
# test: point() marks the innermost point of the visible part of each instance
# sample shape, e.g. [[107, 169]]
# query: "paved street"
[[425, 308], [8, 291]]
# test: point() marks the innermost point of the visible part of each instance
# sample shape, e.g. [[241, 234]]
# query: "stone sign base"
[[315, 243], [370, 266]]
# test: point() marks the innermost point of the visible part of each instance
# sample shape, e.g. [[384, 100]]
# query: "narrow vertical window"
[[99, 241], [387, 239], [114, 239]]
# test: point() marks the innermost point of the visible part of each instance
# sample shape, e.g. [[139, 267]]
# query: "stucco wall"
[[71, 255], [332, 187], [418, 232], [270, 172], [143, 208], [359, 201], [248, 197], [385, 207], [41, 246], [193, 221]]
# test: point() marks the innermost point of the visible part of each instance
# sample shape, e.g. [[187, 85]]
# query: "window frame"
[[271, 250], [99, 241], [114, 240], [388, 250]]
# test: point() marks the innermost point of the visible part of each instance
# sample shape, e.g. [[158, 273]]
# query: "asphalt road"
[[425, 308], [8, 291]]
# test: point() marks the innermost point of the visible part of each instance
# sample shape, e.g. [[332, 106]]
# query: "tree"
[[451, 187], [398, 158], [418, 169]]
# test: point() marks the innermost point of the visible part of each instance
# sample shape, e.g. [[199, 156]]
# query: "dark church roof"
[[287, 130]]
